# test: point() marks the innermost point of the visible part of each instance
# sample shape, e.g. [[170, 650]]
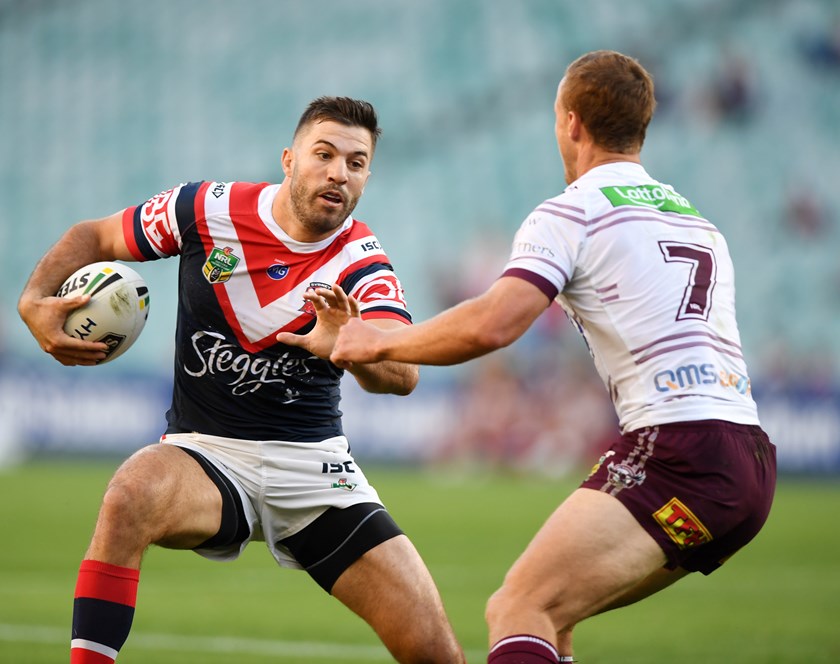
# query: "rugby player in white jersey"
[[254, 448], [649, 283]]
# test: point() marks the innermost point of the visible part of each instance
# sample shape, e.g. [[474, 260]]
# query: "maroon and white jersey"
[[649, 284], [241, 281]]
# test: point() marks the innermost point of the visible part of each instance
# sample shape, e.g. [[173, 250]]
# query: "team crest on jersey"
[[277, 271], [220, 265], [308, 307], [624, 476]]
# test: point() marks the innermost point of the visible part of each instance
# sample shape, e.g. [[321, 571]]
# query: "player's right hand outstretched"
[[334, 308]]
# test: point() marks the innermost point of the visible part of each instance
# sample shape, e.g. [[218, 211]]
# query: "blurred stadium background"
[[104, 104]]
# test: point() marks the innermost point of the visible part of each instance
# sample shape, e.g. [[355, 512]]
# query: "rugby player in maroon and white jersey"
[[649, 283], [254, 448]]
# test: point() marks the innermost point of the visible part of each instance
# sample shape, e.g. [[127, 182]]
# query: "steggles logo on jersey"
[[308, 307], [220, 265], [243, 373], [277, 271]]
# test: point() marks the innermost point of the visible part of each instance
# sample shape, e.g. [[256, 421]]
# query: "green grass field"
[[778, 601]]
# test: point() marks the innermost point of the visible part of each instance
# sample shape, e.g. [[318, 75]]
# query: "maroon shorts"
[[701, 489]]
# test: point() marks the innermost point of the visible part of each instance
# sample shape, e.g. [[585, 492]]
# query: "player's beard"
[[306, 203]]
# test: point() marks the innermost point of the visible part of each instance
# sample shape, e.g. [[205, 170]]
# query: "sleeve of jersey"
[[154, 229], [546, 246], [370, 278]]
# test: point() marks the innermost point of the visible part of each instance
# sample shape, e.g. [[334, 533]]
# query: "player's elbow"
[[488, 338], [408, 379]]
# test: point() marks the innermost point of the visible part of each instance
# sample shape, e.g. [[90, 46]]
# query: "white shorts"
[[283, 486]]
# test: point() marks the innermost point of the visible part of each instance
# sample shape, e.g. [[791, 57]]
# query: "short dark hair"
[[344, 110], [613, 96]]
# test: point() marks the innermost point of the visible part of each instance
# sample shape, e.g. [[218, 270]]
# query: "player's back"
[[650, 285]]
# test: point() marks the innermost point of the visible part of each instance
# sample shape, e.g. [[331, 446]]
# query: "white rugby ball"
[[117, 310]]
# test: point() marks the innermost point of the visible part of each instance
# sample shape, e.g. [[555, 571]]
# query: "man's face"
[[327, 166], [561, 132]]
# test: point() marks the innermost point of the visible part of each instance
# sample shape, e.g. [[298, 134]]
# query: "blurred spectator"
[[806, 215], [822, 48], [733, 91], [544, 415], [473, 271]]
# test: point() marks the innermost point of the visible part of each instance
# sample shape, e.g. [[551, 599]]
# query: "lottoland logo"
[[650, 196]]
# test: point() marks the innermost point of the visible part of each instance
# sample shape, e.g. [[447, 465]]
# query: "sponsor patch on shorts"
[[681, 525]]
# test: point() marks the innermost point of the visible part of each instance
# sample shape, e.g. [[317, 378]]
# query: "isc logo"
[[371, 245], [344, 467]]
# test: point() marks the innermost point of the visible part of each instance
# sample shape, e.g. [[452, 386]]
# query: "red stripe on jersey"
[[262, 248], [98, 580], [221, 293], [128, 233], [390, 315]]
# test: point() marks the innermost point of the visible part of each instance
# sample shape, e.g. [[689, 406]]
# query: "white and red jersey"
[[649, 283], [241, 281]]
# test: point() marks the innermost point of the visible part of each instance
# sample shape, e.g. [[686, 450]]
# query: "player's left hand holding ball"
[[45, 318]]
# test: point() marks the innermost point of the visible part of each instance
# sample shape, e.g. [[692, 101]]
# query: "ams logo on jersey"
[[220, 265]]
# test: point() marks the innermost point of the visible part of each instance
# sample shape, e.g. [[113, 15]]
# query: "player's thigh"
[[391, 588], [590, 552], [164, 492]]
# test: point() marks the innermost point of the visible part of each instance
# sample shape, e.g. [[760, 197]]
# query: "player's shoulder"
[[356, 230], [567, 207]]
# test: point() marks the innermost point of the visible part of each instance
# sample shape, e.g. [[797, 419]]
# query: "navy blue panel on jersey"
[[140, 237], [353, 278], [185, 205]]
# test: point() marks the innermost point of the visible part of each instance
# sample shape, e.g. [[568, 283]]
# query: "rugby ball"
[[117, 310]]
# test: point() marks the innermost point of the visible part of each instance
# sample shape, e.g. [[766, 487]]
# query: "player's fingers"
[[329, 297], [71, 303], [340, 296], [355, 311], [316, 299], [291, 339]]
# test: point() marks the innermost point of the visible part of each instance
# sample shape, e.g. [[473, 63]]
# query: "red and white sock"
[[523, 649], [103, 610]]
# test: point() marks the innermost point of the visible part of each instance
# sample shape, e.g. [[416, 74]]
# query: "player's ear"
[[574, 126], [286, 160]]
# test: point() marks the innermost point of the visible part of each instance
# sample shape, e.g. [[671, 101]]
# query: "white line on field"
[[43, 634], [197, 644]]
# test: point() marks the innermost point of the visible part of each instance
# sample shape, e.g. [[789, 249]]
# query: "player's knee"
[[495, 607], [438, 647], [126, 506], [513, 603]]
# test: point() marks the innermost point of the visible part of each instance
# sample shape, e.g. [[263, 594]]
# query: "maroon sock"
[[523, 649]]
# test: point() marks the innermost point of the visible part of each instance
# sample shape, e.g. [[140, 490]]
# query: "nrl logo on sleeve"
[[220, 265], [654, 196]]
